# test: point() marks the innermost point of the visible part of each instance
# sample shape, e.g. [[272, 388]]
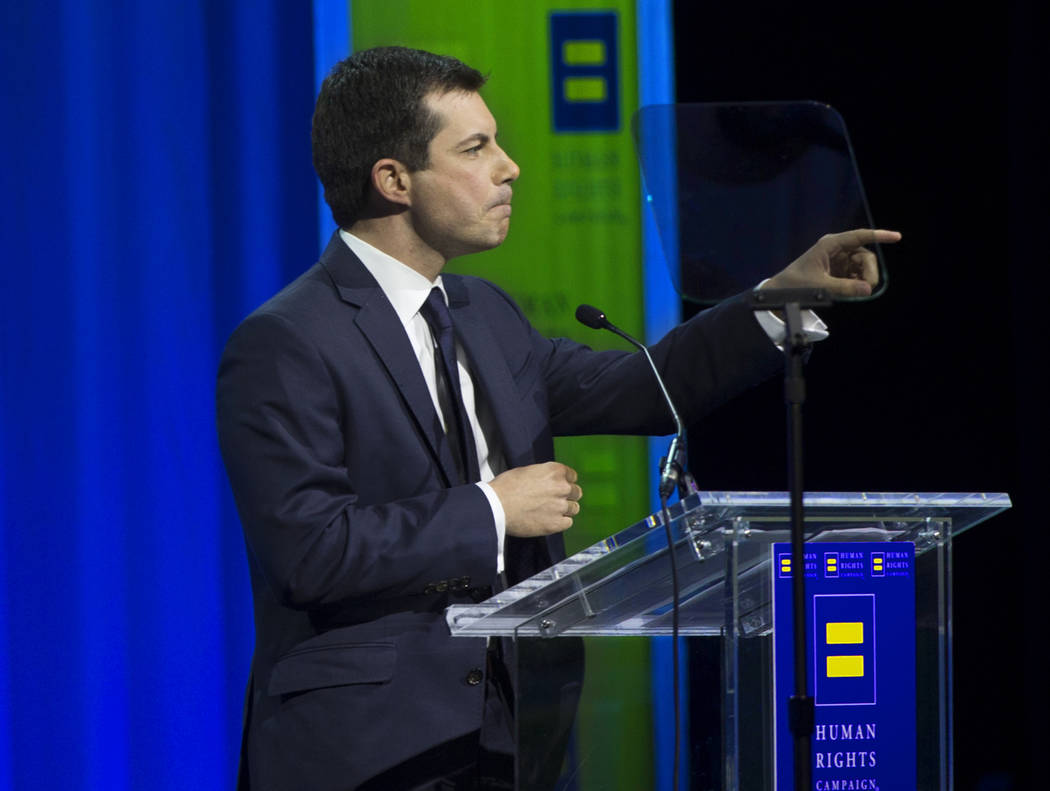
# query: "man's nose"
[[508, 170]]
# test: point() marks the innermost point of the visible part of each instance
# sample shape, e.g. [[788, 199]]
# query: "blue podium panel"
[[860, 622]]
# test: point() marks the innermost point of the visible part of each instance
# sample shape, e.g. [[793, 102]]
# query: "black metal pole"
[[800, 706]]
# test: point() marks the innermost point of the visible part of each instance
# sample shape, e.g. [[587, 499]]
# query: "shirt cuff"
[[499, 516]]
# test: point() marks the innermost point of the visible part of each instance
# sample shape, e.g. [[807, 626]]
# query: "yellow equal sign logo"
[[785, 565], [844, 633], [845, 667], [878, 564], [585, 63], [583, 53], [585, 89], [844, 661], [831, 564]]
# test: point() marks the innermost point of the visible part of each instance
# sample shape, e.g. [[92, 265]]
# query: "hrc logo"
[[784, 565], [844, 633], [878, 564], [845, 649], [831, 564], [585, 83]]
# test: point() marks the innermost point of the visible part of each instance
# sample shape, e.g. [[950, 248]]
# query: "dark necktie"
[[450, 396]]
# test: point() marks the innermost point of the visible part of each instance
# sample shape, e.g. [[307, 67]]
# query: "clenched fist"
[[539, 499]]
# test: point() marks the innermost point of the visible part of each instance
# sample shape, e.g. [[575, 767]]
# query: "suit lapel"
[[381, 327]]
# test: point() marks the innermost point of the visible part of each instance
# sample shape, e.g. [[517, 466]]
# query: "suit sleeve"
[[313, 527], [705, 362]]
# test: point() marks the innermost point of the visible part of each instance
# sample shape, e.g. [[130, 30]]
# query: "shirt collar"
[[406, 289]]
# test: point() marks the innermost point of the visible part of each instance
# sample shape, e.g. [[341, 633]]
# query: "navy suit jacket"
[[358, 538]]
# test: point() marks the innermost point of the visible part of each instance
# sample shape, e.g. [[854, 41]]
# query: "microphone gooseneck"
[[592, 317], [596, 319]]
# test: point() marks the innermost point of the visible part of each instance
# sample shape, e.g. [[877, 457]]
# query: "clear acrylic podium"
[[620, 588]]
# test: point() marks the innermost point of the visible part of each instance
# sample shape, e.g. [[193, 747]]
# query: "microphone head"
[[591, 317]]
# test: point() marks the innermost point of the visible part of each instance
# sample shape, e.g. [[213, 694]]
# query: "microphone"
[[590, 316]]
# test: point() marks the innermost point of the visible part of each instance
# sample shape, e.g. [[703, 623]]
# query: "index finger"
[[862, 236]]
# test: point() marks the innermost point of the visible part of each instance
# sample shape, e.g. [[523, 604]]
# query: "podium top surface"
[[620, 585], [971, 508]]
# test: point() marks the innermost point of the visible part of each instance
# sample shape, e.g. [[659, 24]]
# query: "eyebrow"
[[477, 137]]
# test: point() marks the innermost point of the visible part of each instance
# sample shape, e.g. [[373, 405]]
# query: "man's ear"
[[391, 181]]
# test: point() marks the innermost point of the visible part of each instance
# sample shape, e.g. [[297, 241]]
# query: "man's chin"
[[495, 239], [478, 246]]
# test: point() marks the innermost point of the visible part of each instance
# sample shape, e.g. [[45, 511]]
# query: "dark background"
[[936, 386]]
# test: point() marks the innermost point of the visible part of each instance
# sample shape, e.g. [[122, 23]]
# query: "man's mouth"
[[503, 200]]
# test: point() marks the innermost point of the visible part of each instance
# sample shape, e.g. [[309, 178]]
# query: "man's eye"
[[474, 149]]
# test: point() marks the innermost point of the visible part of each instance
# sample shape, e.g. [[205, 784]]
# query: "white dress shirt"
[[407, 290]]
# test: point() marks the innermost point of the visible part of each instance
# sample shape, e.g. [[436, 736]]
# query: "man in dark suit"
[[388, 435]]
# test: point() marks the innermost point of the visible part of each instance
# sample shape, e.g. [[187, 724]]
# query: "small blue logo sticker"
[[831, 564], [878, 564]]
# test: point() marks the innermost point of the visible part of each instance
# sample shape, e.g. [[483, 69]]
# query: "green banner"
[[562, 86]]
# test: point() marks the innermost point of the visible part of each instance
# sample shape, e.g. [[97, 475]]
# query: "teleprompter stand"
[[800, 705]]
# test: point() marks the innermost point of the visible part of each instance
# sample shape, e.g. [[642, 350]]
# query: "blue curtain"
[[156, 186]]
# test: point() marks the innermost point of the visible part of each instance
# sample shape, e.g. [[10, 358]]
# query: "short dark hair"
[[371, 106]]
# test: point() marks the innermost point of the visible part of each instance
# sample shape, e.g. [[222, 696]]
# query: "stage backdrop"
[[156, 185]]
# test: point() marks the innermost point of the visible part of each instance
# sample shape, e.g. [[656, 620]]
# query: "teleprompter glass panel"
[[738, 191]]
